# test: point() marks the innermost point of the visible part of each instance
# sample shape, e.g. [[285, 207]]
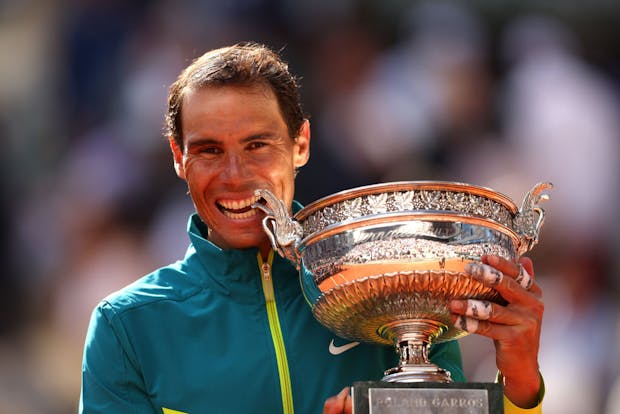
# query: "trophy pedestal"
[[380, 397], [427, 372]]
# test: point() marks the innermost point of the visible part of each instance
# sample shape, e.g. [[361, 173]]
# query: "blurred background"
[[496, 93]]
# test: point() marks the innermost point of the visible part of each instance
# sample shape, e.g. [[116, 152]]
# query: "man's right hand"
[[339, 404]]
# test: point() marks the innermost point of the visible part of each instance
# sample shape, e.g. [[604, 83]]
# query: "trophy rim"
[[374, 220], [398, 186]]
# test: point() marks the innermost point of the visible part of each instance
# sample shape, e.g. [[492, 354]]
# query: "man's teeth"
[[237, 204], [243, 215], [238, 209]]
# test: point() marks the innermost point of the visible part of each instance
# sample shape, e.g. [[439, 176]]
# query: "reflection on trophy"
[[380, 263]]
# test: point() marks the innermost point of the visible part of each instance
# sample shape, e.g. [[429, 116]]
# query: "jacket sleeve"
[[111, 381], [447, 355], [510, 408]]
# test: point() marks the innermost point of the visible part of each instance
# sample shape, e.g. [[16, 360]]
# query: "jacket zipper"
[[276, 333]]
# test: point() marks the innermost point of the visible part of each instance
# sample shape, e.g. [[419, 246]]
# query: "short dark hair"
[[243, 64]]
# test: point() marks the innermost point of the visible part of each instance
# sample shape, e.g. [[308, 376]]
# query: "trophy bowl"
[[381, 263]]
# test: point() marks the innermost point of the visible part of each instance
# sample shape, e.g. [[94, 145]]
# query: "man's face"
[[235, 141]]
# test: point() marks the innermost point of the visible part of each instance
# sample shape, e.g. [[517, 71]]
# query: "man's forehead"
[[225, 115]]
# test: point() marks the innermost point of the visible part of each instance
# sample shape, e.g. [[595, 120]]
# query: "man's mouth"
[[238, 209]]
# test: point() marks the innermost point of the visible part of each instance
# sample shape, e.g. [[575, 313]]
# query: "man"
[[227, 329]]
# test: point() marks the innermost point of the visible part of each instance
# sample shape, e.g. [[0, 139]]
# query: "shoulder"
[[169, 283]]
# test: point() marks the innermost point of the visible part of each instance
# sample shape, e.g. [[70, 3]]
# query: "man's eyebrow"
[[261, 136], [202, 142]]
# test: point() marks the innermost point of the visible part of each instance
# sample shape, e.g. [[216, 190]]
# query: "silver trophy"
[[381, 263]]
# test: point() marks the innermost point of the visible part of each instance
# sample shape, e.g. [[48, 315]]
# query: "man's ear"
[[302, 145], [177, 156]]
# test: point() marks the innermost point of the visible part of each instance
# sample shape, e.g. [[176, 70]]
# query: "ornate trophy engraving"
[[380, 263]]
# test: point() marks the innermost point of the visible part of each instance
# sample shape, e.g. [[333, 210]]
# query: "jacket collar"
[[232, 271]]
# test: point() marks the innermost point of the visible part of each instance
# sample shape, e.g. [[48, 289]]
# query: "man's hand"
[[339, 404], [514, 328]]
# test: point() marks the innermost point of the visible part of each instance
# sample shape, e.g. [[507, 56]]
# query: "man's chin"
[[242, 241], [238, 234]]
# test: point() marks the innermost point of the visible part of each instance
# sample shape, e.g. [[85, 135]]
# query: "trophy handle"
[[284, 233], [531, 216]]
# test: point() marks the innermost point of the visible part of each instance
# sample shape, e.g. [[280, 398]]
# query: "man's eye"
[[210, 150], [256, 145]]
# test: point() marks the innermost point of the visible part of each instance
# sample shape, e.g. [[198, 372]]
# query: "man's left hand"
[[514, 327]]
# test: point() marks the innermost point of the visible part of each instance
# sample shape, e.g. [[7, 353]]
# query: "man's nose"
[[234, 167]]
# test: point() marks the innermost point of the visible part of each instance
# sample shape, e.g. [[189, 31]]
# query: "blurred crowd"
[[499, 96]]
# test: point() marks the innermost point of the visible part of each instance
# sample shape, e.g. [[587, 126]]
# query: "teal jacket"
[[221, 331]]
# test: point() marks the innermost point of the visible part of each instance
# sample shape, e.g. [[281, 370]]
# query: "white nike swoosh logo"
[[337, 350]]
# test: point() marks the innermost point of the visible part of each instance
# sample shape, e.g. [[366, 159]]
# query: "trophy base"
[[380, 397]]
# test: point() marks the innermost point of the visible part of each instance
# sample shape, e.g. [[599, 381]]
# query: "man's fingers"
[[482, 310], [486, 274], [486, 328], [507, 278], [524, 279], [467, 324], [528, 264], [479, 309], [339, 404], [505, 266]]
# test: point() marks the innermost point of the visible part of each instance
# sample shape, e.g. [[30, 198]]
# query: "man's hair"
[[243, 64]]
